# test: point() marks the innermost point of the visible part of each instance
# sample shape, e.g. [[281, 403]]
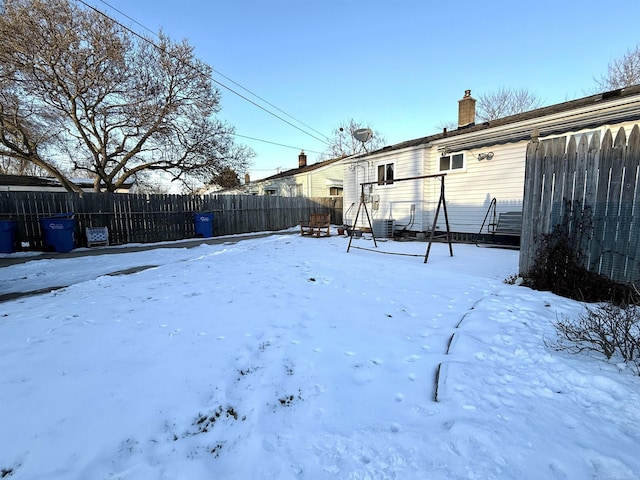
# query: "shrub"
[[607, 329], [559, 264]]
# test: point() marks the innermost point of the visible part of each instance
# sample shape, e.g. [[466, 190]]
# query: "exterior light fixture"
[[485, 156]]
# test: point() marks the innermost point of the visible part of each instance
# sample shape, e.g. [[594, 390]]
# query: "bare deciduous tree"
[[622, 72], [504, 102], [79, 90], [344, 144]]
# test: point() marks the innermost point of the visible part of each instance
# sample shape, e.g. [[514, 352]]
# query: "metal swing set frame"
[[441, 204]]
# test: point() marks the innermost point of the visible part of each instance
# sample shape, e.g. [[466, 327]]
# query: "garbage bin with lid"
[[203, 224], [58, 232], [7, 236]]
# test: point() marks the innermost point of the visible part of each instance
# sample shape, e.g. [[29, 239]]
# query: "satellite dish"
[[363, 134]]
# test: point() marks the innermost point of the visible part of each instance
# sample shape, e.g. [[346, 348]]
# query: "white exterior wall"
[[468, 191], [385, 202], [354, 173]]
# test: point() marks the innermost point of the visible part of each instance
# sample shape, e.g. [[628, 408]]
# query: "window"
[[299, 191], [451, 162], [385, 173], [335, 191], [270, 191]]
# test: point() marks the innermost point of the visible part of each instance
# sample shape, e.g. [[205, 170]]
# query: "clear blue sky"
[[400, 65]]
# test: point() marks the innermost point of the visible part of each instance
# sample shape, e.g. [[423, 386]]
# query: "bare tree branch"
[[622, 72], [343, 143], [91, 95], [504, 102]]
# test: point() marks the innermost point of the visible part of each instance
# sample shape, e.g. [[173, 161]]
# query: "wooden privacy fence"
[[588, 187], [141, 218]]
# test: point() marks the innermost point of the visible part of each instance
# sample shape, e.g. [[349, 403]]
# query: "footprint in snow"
[[295, 342], [376, 361], [349, 353]]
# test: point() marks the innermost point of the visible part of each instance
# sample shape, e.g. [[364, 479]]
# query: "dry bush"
[[608, 329], [559, 264]]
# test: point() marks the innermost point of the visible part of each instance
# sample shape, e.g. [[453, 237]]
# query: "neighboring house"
[[481, 162], [322, 179], [22, 183]]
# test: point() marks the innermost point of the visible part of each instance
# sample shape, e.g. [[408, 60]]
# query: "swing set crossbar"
[[419, 177]]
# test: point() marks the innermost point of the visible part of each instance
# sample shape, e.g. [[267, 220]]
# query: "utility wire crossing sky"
[[299, 69]]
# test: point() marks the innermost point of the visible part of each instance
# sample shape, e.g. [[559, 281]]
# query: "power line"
[[274, 143], [325, 140], [221, 74]]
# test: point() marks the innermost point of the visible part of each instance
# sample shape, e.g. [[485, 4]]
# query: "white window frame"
[[463, 168]]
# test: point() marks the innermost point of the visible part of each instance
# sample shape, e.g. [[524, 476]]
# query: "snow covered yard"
[[288, 358]]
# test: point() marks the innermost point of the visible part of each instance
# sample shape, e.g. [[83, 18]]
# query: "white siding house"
[[322, 179], [481, 162], [398, 201]]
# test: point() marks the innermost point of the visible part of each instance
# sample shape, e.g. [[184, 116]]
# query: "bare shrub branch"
[[606, 329]]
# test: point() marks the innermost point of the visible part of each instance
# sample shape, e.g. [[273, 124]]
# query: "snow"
[[286, 357]]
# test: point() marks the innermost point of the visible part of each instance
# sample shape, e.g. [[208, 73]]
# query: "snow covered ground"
[[289, 358]]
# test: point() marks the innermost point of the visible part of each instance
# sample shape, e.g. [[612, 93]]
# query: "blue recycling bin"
[[58, 232], [203, 224], [7, 236]]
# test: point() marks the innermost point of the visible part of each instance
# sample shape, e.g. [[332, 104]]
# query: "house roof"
[[43, 182], [555, 123], [24, 181], [296, 171]]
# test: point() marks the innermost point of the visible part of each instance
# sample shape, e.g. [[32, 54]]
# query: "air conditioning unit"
[[383, 228]]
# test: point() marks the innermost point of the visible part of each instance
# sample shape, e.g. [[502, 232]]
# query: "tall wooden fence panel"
[[588, 186], [141, 218]]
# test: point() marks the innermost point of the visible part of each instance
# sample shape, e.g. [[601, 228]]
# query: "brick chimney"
[[302, 159], [466, 110]]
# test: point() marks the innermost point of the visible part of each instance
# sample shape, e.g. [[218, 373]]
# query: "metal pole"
[[357, 215]]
